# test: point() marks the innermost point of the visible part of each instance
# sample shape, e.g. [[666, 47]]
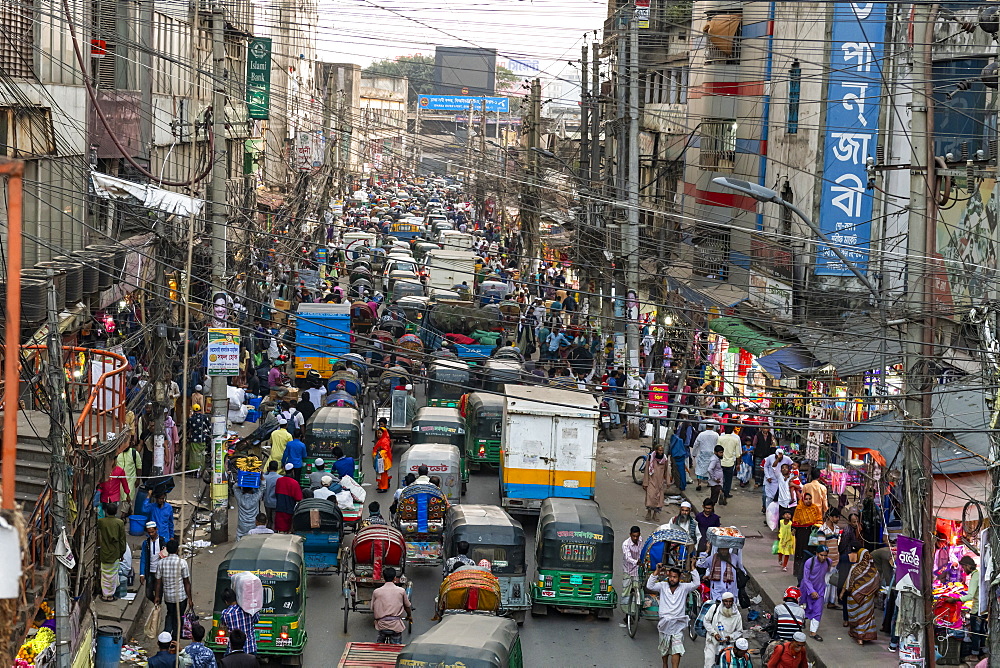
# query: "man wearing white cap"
[[164, 658], [737, 656], [411, 405], [772, 470], [324, 491], [149, 558], [723, 625], [791, 654], [686, 522], [287, 493], [319, 472]]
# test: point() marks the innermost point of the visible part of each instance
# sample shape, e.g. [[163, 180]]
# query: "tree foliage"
[[419, 69]]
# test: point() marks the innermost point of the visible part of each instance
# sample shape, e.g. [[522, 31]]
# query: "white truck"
[[448, 268], [548, 446]]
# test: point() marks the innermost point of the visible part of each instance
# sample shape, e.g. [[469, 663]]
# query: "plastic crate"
[[249, 479], [254, 401], [252, 416]]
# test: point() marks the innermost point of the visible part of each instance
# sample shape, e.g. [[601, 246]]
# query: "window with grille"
[[666, 85], [794, 94], [17, 38], [711, 252], [724, 32], [718, 144]]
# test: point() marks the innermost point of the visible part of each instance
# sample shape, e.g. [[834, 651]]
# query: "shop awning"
[[721, 30], [740, 334], [789, 361], [853, 349], [960, 443], [951, 493]]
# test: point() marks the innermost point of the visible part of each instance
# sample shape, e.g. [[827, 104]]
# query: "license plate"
[[601, 597], [548, 594], [283, 642], [605, 420], [576, 579]]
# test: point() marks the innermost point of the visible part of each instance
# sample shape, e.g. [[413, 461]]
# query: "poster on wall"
[[224, 351]]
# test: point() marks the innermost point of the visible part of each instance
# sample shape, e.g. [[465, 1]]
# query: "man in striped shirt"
[[631, 549], [234, 617]]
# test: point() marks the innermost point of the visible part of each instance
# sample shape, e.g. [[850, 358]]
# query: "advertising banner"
[[224, 351], [909, 560], [462, 102], [851, 133], [659, 401]]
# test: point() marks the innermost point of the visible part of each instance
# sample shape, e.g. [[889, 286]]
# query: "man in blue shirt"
[[162, 513], [165, 657], [344, 466], [201, 656], [295, 454]]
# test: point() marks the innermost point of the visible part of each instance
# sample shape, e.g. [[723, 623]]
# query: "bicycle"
[[639, 465]]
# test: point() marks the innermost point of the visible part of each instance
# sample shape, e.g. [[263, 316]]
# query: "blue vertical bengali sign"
[[851, 133]]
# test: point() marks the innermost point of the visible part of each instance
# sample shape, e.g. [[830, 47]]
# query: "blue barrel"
[[141, 504], [109, 647], [137, 524]]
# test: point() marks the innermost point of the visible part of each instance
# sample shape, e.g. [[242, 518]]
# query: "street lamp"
[[762, 194]]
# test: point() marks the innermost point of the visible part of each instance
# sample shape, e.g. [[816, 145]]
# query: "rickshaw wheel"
[[632, 618], [693, 610]]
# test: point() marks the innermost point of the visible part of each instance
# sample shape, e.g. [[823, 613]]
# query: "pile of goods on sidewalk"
[[39, 641], [134, 655]]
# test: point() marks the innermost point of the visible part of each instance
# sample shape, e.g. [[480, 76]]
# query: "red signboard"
[[659, 401]]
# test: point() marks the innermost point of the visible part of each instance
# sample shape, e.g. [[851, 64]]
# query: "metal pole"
[[631, 246], [60, 485], [220, 397], [595, 185], [14, 170], [583, 173]]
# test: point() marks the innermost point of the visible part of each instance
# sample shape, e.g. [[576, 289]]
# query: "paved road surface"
[[557, 639]]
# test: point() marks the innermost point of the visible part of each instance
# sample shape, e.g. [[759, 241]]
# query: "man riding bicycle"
[[391, 608]]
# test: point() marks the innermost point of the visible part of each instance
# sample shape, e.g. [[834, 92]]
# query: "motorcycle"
[[604, 428]]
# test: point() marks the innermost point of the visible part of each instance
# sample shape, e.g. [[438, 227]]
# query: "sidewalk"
[[743, 511]]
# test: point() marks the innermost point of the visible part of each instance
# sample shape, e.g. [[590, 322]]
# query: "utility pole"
[[915, 612], [529, 198], [416, 143], [583, 172], [331, 134], [58, 441], [220, 161], [481, 162], [595, 184], [630, 247]]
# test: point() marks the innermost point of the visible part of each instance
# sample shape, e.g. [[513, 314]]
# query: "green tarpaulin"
[[744, 336]]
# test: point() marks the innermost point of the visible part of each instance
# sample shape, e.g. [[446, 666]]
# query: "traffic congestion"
[[417, 480]]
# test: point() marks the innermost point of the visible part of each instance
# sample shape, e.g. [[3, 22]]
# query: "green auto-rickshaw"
[[483, 429], [574, 558], [470, 640], [277, 559], [327, 428], [441, 425], [447, 381]]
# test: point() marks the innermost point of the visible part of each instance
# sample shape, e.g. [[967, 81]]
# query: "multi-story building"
[[293, 128], [382, 125]]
